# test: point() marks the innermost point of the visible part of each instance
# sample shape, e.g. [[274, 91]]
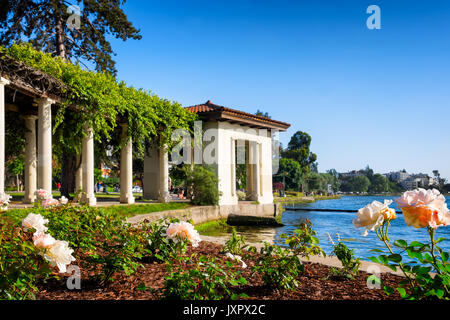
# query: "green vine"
[[100, 100]]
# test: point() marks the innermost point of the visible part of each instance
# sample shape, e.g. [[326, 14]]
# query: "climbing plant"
[[98, 99]]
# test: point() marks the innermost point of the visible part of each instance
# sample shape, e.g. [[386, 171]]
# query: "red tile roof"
[[212, 111]]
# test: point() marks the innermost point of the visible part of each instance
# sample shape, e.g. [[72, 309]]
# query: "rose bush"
[[421, 209]]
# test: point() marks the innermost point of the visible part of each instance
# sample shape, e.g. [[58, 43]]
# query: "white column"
[[3, 82], [254, 166], [87, 165], [233, 167], [163, 196], [30, 159], [126, 168], [45, 144]]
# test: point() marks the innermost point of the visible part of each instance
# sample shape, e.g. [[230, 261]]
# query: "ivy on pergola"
[[99, 99]]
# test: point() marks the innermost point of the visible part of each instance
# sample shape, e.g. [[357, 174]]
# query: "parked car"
[[136, 189]]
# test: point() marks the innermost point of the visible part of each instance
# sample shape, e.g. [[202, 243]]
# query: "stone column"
[[253, 176], [257, 170], [87, 165], [126, 168], [30, 169], [45, 144], [233, 167], [248, 172], [3, 82], [163, 194]]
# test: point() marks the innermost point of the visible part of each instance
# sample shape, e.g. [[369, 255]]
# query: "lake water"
[[341, 223]]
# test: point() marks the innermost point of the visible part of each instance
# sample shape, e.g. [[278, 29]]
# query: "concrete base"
[[209, 213]]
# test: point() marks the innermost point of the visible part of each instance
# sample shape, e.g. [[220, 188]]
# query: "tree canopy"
[[67, 30], [298, 150]]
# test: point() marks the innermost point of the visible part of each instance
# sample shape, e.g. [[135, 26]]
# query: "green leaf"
[[414, 254], [395, 258], [401, 243], [416, 244], [402, 292], [388, 290], [383, 259]]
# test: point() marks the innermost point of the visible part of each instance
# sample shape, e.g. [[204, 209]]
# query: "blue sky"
[[367, 97]]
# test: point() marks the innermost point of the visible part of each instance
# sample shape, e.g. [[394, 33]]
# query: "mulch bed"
[[313, 285]]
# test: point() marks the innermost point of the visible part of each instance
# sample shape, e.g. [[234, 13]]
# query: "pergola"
[[36, 96]]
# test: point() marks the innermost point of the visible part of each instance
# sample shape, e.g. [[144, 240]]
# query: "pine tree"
[[72, 31]]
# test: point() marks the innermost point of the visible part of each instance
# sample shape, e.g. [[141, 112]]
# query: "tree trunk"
[[60, 45], [68, 169]]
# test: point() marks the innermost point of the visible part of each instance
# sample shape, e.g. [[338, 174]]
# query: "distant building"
[[414, 181], [410, 184], [353, 173], [397, 176]]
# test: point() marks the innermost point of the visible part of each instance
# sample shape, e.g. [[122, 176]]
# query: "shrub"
[[20, 264], [295, 193], [102, 236], [202, 184], [278, 266], [350, 265], [208, 280], [303, 241], [235, 244], [158, 245], [242, 196]]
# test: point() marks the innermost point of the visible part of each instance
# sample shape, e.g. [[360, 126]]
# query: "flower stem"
[[382, 235]]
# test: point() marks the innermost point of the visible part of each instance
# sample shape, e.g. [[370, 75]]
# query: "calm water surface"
[[341, 223]]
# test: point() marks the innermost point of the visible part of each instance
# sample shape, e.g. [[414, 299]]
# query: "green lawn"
[[135, 209], [125, 211]]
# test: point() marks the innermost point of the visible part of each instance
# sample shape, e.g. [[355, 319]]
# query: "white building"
[[239, 137], [397, 176]]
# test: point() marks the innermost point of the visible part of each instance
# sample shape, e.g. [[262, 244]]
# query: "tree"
[[368, 172], [298, 150], [68, 31], [290, 174], [262, 114], [332, 178], [16, 167], [356, 184], [379, 184], [440, 182], [315, 182]]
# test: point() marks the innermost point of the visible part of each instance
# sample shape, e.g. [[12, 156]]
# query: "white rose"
[[63, 200], [43, 241], [373, 215], [60, 255], [35, 221]]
